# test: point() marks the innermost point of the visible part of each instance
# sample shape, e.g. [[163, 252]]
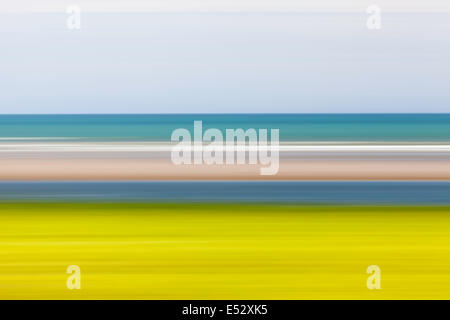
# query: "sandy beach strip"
[[137, 161], [90, 169]]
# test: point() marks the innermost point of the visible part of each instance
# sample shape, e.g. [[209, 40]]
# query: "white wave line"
[[56, 147]]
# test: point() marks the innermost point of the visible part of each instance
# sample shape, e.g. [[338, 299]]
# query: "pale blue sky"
[[224, 62]]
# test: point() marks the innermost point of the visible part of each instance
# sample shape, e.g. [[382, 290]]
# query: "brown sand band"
[[20, 169]]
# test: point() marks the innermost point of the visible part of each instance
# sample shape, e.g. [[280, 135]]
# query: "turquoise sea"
[[293, 127]]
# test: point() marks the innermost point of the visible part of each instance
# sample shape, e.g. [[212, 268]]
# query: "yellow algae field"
[[223, 251]]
